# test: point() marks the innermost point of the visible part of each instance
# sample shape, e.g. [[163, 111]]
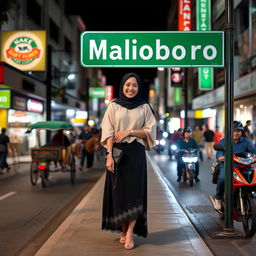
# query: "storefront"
[[23, 112], [5, 102]]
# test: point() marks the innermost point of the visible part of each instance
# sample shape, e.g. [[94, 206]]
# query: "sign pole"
[[229, 109]]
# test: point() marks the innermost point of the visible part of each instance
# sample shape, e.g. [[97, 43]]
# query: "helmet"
[[187, 129], [180, 130], [238, 125]]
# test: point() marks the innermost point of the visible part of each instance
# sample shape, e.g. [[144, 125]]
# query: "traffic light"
[[176, 77]]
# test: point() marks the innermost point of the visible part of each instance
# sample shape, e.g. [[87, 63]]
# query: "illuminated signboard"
[[24, 50]]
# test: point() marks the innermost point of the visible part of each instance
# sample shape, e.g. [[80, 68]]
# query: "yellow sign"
[[24, 50]]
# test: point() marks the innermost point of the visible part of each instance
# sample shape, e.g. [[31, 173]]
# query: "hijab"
[[130, 103]]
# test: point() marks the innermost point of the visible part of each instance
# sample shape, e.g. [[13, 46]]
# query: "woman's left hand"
[[119, 136]]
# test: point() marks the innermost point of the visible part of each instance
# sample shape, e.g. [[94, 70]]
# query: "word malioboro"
[[146, 52]]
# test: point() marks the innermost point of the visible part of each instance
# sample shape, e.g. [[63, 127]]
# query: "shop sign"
[[19, 103], [109, 92], [177, 95], [35, 106], [24, 50], [152, 49], [184, 15], [205, 74], [5, 98], [97, 92]]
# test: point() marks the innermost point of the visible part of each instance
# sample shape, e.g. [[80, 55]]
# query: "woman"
[[129, 125]]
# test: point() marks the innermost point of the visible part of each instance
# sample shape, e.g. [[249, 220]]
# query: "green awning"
[[50, 125]]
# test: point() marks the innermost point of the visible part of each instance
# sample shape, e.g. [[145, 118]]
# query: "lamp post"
[[49, 90]]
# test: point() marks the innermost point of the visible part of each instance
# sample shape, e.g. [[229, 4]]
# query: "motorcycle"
[[244, 188], [190, 159], [160, 145], [172, 150]]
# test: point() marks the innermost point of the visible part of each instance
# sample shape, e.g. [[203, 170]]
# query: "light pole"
[[49, 90], [229, 110]]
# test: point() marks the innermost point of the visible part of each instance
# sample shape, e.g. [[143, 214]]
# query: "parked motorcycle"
[[190, 159], [244, 188]]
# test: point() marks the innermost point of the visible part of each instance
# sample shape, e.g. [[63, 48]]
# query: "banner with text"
[[205, 74]]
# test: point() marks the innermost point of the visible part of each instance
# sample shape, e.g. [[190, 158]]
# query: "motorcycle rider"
[[240, 144], [185, 143]]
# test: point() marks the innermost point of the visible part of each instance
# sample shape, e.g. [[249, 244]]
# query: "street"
[[30, 214], [195, 201]]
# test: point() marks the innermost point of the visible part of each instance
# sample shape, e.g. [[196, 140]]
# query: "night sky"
[[132, 15]]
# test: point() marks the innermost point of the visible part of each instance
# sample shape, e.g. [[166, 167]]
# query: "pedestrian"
[[61, 139], [83, 137], [4, 144], [128, 125], [209, 142], [247, 131], [218, 135], [92, 145], [198, 136]]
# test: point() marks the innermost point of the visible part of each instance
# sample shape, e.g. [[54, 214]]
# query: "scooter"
[[172, 150], [190, 159], [244, 191], [160, 145]]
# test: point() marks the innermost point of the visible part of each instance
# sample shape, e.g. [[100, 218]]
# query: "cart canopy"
[[50, 125]]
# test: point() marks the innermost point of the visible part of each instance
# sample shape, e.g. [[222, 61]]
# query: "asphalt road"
[[30, 214], [195, 201]]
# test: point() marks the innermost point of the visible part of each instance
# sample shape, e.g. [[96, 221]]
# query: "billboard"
[[24, 50]]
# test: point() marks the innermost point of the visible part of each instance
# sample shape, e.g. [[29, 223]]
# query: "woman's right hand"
[[110, 165]]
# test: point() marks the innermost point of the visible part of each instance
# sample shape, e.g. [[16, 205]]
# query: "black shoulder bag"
[[117, 156]]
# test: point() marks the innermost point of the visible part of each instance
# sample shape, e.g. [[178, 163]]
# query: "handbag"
[[117, 155]]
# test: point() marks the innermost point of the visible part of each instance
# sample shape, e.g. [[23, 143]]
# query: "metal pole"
[[185, 88], [229, 98], [49, 89]]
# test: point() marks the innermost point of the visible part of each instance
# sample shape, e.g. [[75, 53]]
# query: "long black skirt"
[[125, 193]]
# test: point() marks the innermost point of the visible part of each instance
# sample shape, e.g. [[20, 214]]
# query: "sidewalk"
[[170, 231]]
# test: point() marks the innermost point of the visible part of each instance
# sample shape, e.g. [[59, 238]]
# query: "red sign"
[[1, 73], [176, 77], [109, 93], [35, 106], [185, 15]]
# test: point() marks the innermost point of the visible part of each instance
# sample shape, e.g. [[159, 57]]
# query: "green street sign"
[[177, 95], [205, 78], [205, 74], [97, 92], [152, 49], [5, 98]]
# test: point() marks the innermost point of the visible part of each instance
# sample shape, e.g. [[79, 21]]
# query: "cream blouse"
[[118, 118]]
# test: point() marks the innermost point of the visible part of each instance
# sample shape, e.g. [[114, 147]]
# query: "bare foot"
[[129, 243]]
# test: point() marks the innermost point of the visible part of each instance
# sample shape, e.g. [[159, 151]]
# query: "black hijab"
[[130, 103]]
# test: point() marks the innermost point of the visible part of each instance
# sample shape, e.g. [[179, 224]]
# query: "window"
[[67, 45], [34, 11], [54, 31]]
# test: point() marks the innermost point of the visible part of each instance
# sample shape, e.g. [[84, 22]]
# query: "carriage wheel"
[[33, 173], [73, 169]]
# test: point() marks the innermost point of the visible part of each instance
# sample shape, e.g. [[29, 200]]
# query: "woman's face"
[[131, 88]]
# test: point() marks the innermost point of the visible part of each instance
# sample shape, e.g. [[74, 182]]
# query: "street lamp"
[[71, 76]]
